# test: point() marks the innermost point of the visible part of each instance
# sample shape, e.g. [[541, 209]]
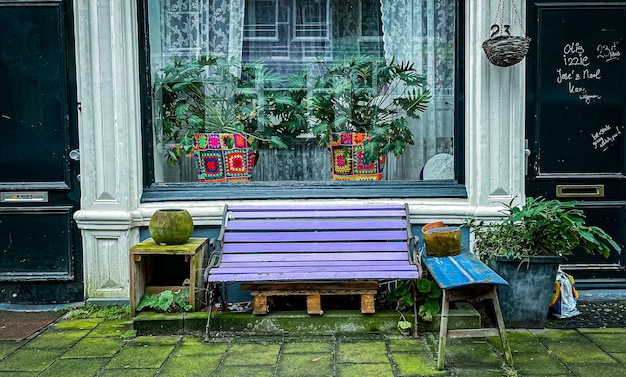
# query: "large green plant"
[[365, 94], [210, 94], [540, 227]]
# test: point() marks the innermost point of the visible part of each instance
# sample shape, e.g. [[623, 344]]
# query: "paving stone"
[[146, 357], [426, 343], [578, 353], [476, 372], [237, 371], [412, 364], [365, 370], [252, 354], [519, 342], [94, 347], [550, 337], [19, 374], [604, 370], [193, 346], [75, 368], [77, 324], [362, 352], [190, 366], [141, 341], [305, 365], [57, 339], [308, 347], [111, 328], [128, 373], [470, 352], [30, 360], [620, 357], [8, 347], [538, 364], [609, 342]]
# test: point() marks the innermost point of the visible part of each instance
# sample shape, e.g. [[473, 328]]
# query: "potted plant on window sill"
[[526, 248], [360, 109], [221, 112]]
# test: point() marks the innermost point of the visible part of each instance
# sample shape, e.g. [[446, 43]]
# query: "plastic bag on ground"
[[564, 296]]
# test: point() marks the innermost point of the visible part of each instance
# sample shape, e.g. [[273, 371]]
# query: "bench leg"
[[259, 305], [210, 301], [443, 330], [314, 304], [501, 329], [367, 304]]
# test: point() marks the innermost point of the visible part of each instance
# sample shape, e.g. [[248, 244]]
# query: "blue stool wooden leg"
[[443, 330], [501, 329]]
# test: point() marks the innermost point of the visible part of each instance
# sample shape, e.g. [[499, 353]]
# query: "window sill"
[[159, 192]]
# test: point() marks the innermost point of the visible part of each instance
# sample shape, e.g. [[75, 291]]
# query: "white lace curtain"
[[419, 31]]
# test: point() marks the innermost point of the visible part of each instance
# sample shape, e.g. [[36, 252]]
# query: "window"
[[290, 36]]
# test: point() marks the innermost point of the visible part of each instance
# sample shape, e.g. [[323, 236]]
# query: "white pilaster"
[[110, 143]]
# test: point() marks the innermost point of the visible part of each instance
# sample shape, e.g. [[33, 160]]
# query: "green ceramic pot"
[[171, 226]]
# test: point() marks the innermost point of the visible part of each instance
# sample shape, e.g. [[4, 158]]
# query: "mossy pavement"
[[91, 347]]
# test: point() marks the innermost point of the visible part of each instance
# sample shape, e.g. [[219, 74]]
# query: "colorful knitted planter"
[[347, 159], [222, 157]]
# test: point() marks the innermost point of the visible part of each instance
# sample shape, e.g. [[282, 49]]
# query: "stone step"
[[464, 316]]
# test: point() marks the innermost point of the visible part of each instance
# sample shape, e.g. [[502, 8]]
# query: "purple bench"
[[312, 250]]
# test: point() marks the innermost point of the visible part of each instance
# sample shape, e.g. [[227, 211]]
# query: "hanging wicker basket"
[[506, 50], [502, 48]]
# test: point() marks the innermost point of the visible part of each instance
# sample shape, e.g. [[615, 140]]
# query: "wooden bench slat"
[[297, 225], [381, 265], [315, 236], [314, 207], [233, 268], [323, 276], [313, 247], [321, 213], [284, 257]]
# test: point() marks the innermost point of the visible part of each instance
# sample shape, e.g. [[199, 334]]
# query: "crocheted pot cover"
[[222, 157], [346, 152]]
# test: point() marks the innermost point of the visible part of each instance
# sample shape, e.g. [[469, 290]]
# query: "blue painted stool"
[[463, 277]]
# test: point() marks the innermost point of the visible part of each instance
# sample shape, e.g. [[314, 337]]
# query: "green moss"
[[190, 366], [77, 324], [112, 328], [252, 354], [576, 353], [362, 352], [538, 364], [140, 357], [128, 373], [8, 347], [141, 341], [255, 371], [194, 346], [365, 370], [305, 365], [410, 364], [31, 360], [519, 342], [426, 343], [470, 352], [57, 339], [308, 347], [94, 347], [74, 368]]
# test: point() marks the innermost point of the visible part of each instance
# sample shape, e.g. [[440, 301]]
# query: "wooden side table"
[[147, 253]]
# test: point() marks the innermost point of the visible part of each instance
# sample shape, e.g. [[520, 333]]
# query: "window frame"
[[183, 191]]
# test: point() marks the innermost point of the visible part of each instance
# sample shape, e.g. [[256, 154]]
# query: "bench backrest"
[[315, 243]]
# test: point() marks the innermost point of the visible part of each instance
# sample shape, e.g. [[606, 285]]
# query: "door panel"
[[41, 257], [576, 113]]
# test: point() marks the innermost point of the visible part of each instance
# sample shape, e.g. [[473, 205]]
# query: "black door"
[[576, 112], [40, 253]]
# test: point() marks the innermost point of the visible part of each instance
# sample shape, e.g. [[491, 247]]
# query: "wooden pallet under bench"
[[312, 250]]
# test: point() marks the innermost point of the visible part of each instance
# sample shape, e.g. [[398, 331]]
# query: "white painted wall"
[[110, 140]]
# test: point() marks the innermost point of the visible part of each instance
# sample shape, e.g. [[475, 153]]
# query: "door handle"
[[75, 154], [587, 191]]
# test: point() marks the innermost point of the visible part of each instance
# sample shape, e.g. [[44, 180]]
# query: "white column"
[[110, 142]]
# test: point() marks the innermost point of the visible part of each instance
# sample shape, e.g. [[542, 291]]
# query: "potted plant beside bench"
[[527, 246]]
